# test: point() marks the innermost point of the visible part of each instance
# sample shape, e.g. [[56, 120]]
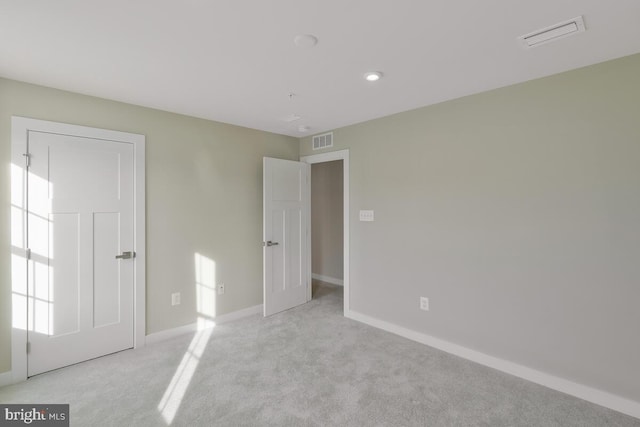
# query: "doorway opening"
[[327, 224], [328, 250]]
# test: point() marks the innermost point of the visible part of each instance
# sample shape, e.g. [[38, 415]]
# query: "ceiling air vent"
[[323, 141], [554, 32]]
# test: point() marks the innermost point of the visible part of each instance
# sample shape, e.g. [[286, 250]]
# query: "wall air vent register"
[[322, 141]]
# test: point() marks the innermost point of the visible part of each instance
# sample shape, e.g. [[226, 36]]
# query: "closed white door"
[[286, 232], [80, 217]]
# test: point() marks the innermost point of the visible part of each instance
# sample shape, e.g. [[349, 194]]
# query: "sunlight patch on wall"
[[205, 290]]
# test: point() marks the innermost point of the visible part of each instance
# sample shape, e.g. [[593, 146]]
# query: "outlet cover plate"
[[366, 215], [175, 298]]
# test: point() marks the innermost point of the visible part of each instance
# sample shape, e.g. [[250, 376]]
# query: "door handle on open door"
[[270, 243], [126, 255]]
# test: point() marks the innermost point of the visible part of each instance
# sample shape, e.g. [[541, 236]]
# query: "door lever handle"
[[126, 255], [270, 243]]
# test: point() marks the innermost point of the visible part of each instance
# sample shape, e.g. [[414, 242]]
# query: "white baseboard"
[[170, 333], [581, 391], [327, 279], [193, 327], [6, 378]]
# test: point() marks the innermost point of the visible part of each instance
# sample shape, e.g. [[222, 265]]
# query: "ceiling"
[[235, 61]]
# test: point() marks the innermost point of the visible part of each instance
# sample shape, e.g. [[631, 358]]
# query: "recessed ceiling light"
[[305, 40], [373, 76]]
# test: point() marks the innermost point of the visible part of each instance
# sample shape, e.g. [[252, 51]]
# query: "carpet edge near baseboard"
[[581, 391], [193, 327], [327, 279], [6, 378]]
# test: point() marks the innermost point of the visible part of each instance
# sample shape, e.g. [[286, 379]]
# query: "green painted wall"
[[516, 211], [204, 195]]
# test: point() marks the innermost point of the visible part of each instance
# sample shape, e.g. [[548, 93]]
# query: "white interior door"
[[80, 217], [286, 233]]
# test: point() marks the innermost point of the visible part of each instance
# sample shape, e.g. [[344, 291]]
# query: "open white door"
[[286, 233]]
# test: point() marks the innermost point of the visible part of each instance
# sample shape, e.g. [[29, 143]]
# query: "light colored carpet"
[[308, 366]]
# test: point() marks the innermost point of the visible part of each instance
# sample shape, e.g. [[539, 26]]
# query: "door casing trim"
[[20, 126]]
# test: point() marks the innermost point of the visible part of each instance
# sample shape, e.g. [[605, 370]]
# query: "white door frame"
[[20, 126], [328, 157]]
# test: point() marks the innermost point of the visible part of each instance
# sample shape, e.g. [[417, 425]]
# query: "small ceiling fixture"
[[305, 40], [292, 118], [373, 76]]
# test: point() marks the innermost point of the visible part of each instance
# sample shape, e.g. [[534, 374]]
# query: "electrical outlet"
[[221, 289], [424, 303], [175, 298]]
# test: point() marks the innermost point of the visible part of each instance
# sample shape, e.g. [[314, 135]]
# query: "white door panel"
[[106, 232], [286, 204], [63, 278], [276, 253], [80, 216], [294, 248]]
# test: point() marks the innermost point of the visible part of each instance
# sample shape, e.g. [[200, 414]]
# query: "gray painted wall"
[[327, 219], [516, 211], [204, 195]]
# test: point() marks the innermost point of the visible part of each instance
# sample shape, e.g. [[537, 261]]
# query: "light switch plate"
[[175, 298], [366, 215]]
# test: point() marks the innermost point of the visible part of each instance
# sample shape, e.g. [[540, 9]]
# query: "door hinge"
[[27, 157], [28, 347], [28, 253]]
